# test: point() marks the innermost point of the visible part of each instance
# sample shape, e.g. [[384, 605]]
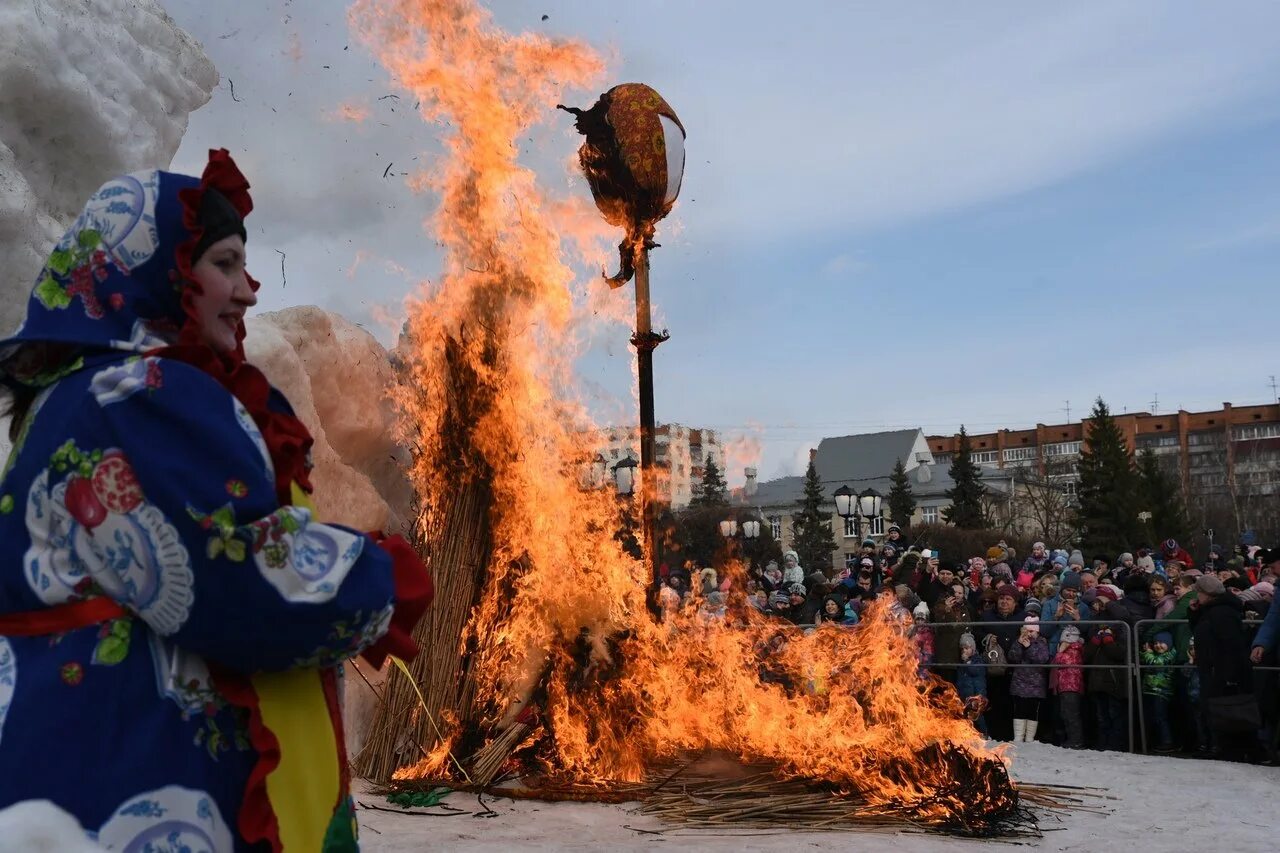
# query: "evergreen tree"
[[1161, 496], [967, 492], [1109, 491], [902, 503], [811, 526], [713, 491]]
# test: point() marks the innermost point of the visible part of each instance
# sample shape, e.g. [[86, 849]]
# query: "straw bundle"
[[454, 538]]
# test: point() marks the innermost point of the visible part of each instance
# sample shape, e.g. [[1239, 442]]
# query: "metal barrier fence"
[[1133, 664], [1139, 666], [1126, 666]]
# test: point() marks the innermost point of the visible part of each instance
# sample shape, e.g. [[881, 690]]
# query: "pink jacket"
[[1069, 679]]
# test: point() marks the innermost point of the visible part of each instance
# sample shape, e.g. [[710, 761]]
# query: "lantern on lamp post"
[[844, 502], [869, 507], [624, 476], [633, 158]]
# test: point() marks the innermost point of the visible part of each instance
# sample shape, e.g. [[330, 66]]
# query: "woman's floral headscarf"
[[120, 280]]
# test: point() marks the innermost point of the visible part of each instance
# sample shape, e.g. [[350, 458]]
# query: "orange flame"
[[564, 619]]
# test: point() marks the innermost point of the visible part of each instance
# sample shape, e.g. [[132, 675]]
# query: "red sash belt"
[[60, 618]]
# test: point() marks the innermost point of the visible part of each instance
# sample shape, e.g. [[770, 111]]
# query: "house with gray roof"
[[863, 462]]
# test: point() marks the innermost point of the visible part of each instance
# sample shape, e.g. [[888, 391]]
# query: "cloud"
[[843, 266]]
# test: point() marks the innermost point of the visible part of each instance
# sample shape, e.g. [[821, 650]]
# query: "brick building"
[[1227, 460]]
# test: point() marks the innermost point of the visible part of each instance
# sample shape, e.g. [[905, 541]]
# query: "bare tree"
[[1046, 503]]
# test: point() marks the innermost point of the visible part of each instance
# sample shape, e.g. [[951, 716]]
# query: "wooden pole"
[[645, 342]]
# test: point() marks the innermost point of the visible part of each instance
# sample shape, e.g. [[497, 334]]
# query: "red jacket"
[[1180, 555], [1069, 679]]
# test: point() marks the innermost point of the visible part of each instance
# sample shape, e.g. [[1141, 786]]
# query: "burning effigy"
[[543, 669]]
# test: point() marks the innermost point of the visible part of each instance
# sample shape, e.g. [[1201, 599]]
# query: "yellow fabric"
[[302, 499], [306, 785]]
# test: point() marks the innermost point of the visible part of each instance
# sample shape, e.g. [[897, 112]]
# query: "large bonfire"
[[541, 659]]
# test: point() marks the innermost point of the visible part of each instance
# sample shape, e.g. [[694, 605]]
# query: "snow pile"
[[1149, 803], [336, 376], [38, 826], [87, 91]]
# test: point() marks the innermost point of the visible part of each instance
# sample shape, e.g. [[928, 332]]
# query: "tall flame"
[[562, 622]]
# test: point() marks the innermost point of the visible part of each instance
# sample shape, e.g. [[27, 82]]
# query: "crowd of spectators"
[[1039, 648]]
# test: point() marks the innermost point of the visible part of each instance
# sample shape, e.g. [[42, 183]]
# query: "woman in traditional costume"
[[173, 616]]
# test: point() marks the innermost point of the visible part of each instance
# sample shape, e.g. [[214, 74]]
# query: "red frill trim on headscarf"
[[287, 438], [257, 820], [413, 591]]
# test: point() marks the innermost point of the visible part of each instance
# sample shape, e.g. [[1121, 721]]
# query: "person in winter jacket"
[[833, 610], [1171, 550], [1267, 640], [1161, 596], [1068, 684], [1038, 560], [792, 571], [1063, 607], [1157, 686], [1108, 689], [923, 636], [1029, 684], [1134, 605], [971, 676], [952, 610], [173, 615], [1222, 653]]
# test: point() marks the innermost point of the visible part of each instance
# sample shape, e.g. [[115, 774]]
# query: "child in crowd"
[[1157, 687], [1068, 684], [1029, 684], [923, 636], [971, 681]]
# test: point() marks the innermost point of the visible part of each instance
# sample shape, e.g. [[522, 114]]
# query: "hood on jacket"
[[120, 278]]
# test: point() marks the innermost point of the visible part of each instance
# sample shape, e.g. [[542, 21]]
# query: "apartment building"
[[1227, 460], [680, 455]]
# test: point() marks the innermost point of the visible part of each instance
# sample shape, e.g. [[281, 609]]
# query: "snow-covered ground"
[[1151, 804]]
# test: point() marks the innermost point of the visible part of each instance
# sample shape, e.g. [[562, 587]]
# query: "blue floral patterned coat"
[[141, 498]]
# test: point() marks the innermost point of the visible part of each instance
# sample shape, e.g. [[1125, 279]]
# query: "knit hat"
[[868, 541], [1034, 606], [1076, 559], [796, 589], [1125, 556], [1164, 637], [1039, 545], [1210, 585], [921, 612], [1070, 634], [1265, 589], [779, 599], [1108, 591], [1009, 590], [1060, 560], [968, 642], [1032, 624], [1071, 581], [1145, 564]]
